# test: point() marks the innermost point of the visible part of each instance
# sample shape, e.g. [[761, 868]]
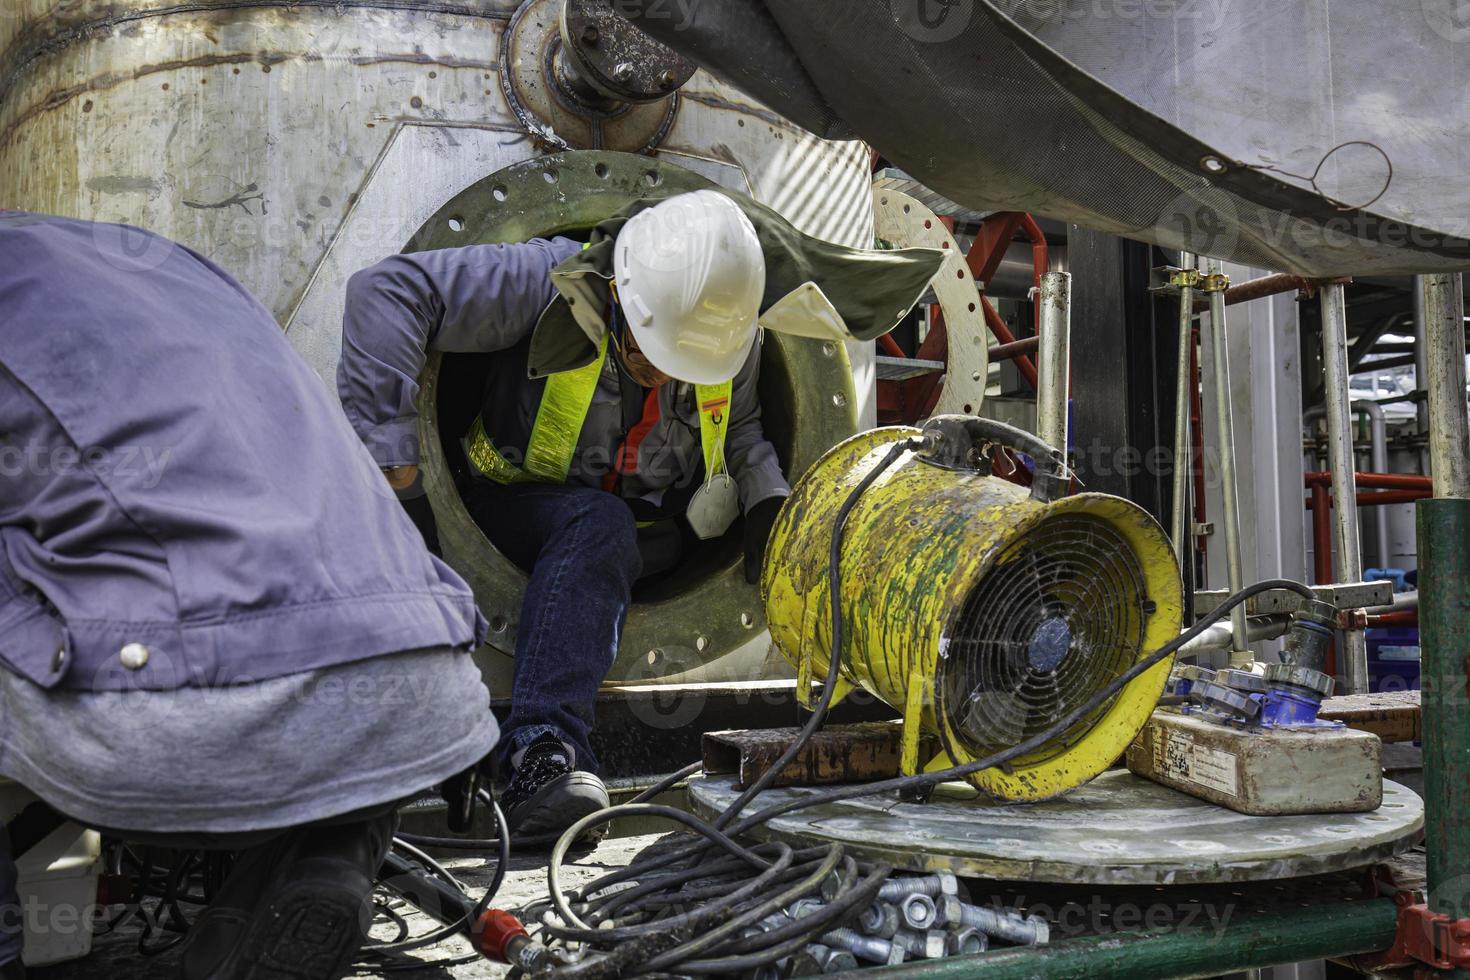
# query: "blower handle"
[[957, 442]]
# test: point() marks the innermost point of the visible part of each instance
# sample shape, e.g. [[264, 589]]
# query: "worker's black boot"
[[547, 793], [296, 908], [14, 970]]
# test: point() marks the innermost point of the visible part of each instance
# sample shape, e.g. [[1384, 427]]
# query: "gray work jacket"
[[488, 298], [181, 501]]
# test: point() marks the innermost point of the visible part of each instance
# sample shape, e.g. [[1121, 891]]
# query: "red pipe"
[[1396, 617], [1003, 334], [1378, 498], [1023, 346], [890, 346], [1377, 481]]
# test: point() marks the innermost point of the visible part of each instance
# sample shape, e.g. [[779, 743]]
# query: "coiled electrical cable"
[[687, 906]]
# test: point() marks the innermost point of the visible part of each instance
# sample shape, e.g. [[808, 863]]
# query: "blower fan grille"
[[1060, 614]]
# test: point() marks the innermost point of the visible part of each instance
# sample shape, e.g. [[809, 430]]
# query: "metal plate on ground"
[[1119, 829]]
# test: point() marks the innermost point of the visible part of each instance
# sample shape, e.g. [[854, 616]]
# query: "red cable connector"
[[498, 935]]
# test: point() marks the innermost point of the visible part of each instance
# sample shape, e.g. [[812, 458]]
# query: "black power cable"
[[686, 906], [737, 955]]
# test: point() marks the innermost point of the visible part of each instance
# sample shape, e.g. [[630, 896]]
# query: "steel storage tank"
[[295, 143]]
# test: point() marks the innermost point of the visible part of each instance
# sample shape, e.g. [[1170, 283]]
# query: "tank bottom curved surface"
[[1120, 829]]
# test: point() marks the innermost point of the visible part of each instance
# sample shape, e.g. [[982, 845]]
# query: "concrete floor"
[[116, 957]]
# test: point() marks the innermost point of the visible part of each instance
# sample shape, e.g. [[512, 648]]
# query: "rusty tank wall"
[[296, 142]]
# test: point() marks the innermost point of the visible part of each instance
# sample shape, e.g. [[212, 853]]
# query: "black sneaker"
[[299, 907], [547, 793]]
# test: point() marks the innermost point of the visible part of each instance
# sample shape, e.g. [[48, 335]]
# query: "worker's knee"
[[607, 533]]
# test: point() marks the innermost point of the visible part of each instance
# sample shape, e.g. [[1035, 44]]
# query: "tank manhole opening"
[[1058, 616]]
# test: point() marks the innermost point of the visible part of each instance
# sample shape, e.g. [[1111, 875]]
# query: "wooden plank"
[[1392, 717], [841, 754]]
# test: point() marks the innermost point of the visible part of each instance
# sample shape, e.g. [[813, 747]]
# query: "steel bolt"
[[879, 919], [623, 72], [918, 911], [948, 910], [928, 945], [666, 79], [590, 35], [939, 883], [1031, 930], [865, 947], [966, 941]]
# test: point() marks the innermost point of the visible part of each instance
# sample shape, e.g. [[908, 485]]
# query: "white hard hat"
[[690, 276]]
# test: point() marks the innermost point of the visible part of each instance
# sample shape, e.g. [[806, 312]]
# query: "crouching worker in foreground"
[[217, 628], [621, 423]]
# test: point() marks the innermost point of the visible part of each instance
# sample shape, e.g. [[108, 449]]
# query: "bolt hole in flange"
[[703, 608]]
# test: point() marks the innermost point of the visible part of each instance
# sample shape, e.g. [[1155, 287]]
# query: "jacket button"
[[134, 656]]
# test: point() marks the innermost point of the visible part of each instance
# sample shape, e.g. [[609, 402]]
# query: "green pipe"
[[1444, 638], [1246, 941]]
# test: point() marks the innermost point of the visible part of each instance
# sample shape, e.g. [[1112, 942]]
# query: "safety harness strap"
[[558, 428], [714, 423]]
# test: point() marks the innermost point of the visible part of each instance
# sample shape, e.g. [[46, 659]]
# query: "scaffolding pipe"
[[1347, 554], [1421, 369], [1224, 423], [1378, 456], [1221, 636], [1053, 359], [1449, 425], [1180, 525]]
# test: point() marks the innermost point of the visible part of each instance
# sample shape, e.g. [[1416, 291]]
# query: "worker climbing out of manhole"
[[606, 446], [218, 629], [621, 422]]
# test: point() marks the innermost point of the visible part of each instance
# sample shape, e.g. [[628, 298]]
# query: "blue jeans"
[[580, 547]]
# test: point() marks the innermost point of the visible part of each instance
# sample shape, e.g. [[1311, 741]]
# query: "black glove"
[[758, 524]]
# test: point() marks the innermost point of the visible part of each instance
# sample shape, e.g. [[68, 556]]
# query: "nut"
[[967, 941], [879, 919], [919, 911], [948, 908], [929, 945]]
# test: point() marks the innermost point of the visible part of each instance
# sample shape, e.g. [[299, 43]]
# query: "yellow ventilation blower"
[[981, 610]]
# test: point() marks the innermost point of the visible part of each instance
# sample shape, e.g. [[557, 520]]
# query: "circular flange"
[[533, 78], [617, 59], [906, 222], [806, 392], [1119, 829]]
